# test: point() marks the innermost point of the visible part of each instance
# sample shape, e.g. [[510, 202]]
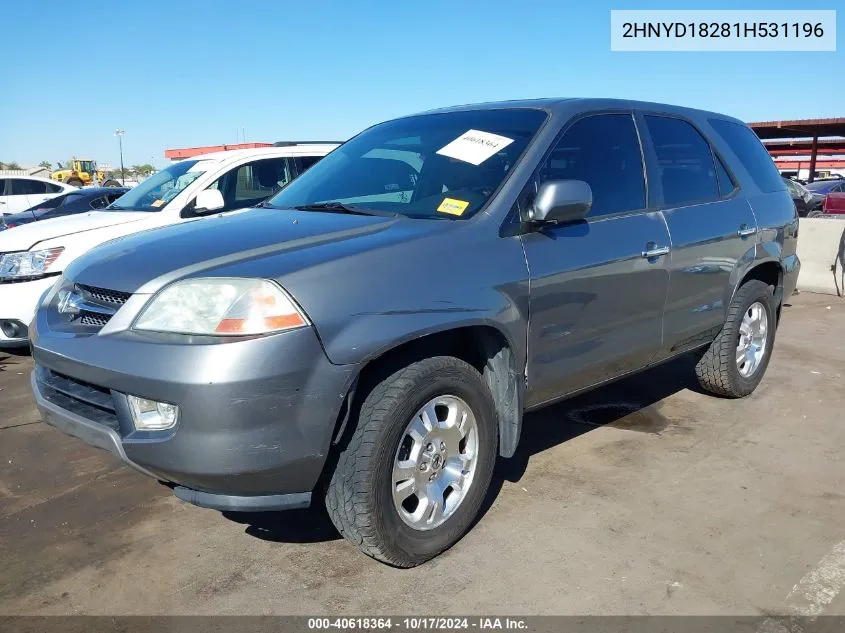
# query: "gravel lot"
[[646, 496]]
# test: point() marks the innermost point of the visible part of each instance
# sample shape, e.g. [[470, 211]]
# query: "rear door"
[[22, 193], [597, 286], [713, 229]]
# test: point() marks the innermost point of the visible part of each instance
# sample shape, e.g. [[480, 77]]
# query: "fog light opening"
[[13, 329], [150, 415]]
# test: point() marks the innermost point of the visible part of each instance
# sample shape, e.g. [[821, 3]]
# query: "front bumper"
[[256, 416], [18, 302]]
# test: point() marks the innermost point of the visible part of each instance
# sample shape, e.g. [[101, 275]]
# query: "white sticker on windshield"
[[475, 146]]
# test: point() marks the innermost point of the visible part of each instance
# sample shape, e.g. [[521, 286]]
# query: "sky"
[[185, 73]]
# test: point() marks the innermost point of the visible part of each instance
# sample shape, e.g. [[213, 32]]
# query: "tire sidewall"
[[423, 544]]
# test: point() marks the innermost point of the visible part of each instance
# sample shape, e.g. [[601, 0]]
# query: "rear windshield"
[[822, 186], [52, 203], [444, 165]]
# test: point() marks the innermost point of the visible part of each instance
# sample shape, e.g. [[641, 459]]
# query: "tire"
[[718, 370], [815, 214], [111, 183], [360, 495], [74, 182]]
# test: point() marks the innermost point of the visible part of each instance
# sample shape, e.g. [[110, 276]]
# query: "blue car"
[[76, 201], [826, 186]]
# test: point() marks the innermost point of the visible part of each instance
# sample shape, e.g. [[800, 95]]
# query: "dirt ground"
[[643, 497]]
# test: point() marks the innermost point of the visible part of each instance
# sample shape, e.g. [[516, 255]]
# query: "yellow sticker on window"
[[452, 206], [157, 203]]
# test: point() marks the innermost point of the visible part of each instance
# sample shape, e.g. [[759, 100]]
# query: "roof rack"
[[289, 143]]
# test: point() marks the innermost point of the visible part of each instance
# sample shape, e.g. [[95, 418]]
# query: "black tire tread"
[[347, 500], [714, 369]]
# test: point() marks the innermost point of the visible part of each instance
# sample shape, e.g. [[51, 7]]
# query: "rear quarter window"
[[750, 151]]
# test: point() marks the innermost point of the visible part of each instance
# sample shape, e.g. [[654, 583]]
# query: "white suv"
[[32, 255], [19, 193]]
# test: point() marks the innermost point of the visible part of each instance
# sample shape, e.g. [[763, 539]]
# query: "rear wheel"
[[815, 214], [74, 182], [736, 360], [412, 478], [111, 183]]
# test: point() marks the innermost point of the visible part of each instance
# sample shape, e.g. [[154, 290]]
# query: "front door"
[[597, 287]]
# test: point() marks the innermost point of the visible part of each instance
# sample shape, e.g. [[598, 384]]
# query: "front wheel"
[[111, 183], [412, 478], [736, 360], [815, 214]]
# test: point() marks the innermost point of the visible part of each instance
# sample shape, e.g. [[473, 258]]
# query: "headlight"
[[221, 307], [27, 265]]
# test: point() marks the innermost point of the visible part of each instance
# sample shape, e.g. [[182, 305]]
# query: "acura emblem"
[[69, 303]]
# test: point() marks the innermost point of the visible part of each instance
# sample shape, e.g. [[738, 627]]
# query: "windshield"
[[160, 188], [436, 165]]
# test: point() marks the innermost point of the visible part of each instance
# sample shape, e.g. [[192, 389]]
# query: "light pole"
[[119, 134]]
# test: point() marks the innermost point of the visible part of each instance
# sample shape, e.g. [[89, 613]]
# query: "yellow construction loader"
[[82, 172]]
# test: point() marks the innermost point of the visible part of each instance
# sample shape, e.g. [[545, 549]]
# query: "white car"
[[33, 255], [19, 193]]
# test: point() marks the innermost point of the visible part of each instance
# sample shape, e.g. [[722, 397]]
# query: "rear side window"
[[686, 167], [604, 151], [53, 188], [22, 187], [750, 151]]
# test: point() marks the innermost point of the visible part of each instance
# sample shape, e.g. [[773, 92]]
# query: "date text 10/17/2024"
[[418, 623]]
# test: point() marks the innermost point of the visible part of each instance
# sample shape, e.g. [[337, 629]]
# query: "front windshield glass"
[[160, 188], [443, 165]]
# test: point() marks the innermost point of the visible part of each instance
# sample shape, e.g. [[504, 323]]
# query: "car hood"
[[266, 243], [25, 237]]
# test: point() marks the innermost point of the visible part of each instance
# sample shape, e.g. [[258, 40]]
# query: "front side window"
[[603, 151], [252, 183], [445, 165], [160, 188], [685, 162]]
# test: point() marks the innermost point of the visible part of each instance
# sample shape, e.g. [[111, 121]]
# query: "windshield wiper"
[[339, 207]]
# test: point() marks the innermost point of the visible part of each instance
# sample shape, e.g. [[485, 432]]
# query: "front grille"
[[85, 309], [82, 398], [102, 295], [96, 320]]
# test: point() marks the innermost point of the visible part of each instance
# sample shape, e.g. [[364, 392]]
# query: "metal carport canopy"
[[802, 129]]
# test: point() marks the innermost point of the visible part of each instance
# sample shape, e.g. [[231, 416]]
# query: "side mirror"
[[561, 201], [208, 200]]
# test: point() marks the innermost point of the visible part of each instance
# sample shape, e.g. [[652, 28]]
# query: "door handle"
[[656, 251], [745, 230]]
